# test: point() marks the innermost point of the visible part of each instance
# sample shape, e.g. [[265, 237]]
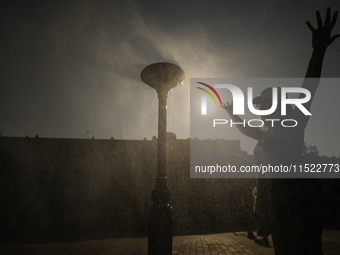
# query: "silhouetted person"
[[288, 208]]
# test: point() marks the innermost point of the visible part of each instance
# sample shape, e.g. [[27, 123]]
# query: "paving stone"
[[224, 243]]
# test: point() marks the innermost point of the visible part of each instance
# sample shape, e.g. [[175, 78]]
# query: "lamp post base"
[[160, 221], [160, 230]]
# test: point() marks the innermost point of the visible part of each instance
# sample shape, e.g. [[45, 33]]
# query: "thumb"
[[334, 37]]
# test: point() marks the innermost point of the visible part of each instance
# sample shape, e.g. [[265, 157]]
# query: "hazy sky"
[[68, 67]]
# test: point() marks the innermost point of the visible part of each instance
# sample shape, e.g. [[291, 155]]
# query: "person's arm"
[[254, 133], [321, 39]]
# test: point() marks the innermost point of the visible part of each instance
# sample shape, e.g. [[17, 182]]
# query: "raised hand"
[[228, 107], [322, 34]]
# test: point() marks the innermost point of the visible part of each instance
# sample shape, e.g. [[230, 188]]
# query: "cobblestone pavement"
[[224, 243], [208, 244]]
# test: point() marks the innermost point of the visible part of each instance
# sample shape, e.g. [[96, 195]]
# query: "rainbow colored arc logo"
[[212, 89]]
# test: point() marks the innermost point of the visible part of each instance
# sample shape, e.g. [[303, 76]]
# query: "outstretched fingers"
[[333, 19], [227, 106], [325, 29], [331, 25], [318, 19], [328, 22], [310, 27], [334, 37], [328, 17]]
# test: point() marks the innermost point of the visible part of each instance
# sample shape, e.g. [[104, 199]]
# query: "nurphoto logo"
[[278, 97]]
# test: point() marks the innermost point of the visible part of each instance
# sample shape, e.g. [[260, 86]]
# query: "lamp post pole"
[[162, 77]]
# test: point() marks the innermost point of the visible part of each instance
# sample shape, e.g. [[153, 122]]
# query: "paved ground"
[[225, 243], [210, 244]]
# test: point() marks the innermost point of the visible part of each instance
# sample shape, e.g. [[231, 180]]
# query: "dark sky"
[[68, 67]]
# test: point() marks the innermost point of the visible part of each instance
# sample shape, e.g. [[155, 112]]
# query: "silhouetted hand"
[[228, 107], [322, 34]]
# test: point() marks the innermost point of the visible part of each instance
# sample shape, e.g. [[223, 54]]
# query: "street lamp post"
[[162, 77]]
